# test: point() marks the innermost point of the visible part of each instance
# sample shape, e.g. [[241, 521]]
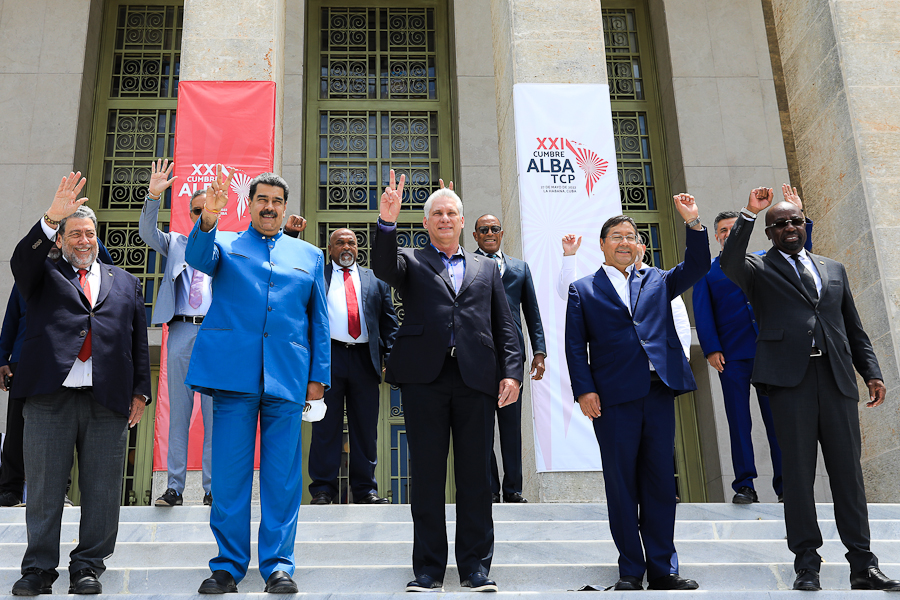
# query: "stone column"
[[239, 40], [841, 79], [540, 42]]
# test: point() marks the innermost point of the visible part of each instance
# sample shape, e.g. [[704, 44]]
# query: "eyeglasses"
[[493, 229], [196, 211], [782, 223], [618, 239]]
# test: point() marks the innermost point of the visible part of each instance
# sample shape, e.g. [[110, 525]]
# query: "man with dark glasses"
[[182, 301]]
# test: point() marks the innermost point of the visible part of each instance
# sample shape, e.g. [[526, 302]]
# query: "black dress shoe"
[[807, 581], [629, 583], [9, 499], [221, 582], [781, 498], [745, 495], [425, 583], [514, 498], [321, 498], [34, 581], [372, 498], [495, 498], [280, 582], [479, 582], [672, 581], [207, 499], [170, 498], [85, 581], [873, 579]]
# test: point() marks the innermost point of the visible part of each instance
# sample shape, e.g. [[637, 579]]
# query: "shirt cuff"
[[50, 233], [749, 216], [385, 226]]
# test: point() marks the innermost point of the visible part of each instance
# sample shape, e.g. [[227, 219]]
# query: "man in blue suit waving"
[[726, 326], [626, 365], [263, 351]]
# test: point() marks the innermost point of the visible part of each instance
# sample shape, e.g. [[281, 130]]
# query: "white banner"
[[568, 183]]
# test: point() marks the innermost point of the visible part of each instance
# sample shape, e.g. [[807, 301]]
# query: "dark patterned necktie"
[[806, 278]]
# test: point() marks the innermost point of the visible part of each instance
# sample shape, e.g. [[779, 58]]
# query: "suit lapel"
[[106, 282], [429, 256], [821, 269], [787, 270], [602, 282], [635, 285], [69, 273], [329, 269], [473, 264], [365, 285]]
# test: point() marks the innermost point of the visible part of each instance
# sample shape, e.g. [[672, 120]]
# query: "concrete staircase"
[[542, 550]]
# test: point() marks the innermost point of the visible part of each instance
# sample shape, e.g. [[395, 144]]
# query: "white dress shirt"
[[808, 263], [337, 306]]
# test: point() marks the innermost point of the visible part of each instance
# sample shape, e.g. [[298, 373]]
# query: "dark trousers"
[[509, 421], [12, 469], [55, 424], [816, 412], [352, 379], [432, 412], [735, 379], [636, 440]]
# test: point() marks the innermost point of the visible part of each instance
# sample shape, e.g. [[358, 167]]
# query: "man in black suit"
[[85, 377], [519, 288], [457, 341], [810, 339], [362, 323]]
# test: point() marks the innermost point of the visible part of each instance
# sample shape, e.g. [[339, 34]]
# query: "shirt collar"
[[802, 255], [94, 269], [459, 252], [337, 267], [609, 270]]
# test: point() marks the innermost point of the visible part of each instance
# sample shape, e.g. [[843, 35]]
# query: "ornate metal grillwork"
[[649, 233], [400, 478], [623, 63], [355, 146], [134, 138], [147, 52], [129, 252], [378, 53], [632, 139]]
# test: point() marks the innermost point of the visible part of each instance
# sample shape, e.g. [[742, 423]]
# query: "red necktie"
[[353, 326], [85, 352]]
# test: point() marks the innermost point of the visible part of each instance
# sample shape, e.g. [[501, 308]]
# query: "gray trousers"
[[55, 424], [181, 406]]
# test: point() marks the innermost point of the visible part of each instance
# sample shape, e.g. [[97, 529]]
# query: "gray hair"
[[442, 193], [83, 212]]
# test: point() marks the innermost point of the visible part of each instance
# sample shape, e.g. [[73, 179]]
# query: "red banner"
[[219, 122]]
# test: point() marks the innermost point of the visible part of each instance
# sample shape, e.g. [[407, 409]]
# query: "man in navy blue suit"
[[517, 282], [727, 326], [627, 365]]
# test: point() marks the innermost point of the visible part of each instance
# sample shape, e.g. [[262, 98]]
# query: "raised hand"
[[66, 200], [391, 199], [790, 194], [217, 192], [159, 177], [441, 182], [294, 224], [570, 244], [687, 208], [759, 199]]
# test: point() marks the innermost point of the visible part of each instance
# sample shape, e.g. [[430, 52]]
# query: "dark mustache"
[[268, 213]]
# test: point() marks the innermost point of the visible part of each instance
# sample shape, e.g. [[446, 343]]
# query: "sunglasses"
[[492, 229], [782, 223], [196, 211]]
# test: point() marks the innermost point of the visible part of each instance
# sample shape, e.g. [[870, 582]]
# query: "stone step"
[[532, 579], [459, 595]]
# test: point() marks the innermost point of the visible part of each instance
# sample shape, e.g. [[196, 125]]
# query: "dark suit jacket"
[[59, 314], [520, 293], [620, 344], [723, 314], [787, 316], [378, 309], [478, 315]]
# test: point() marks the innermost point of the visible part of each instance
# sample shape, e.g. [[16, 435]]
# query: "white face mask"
[[314, 410]]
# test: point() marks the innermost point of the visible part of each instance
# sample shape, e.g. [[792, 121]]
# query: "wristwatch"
[[693, 223], [748, 214]]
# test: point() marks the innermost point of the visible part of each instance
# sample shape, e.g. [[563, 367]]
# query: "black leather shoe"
[[321, 498], [629, 583], [514, 498], [479, 582], [807, 581], [873, 579], [9, 499], [85, 581], [781, 498], [207, 499], [425, 583], [221, 582], [372, 498], [745, 495], [495, 498], [672, 581], [34, 581], [170, 498], [280, 582]]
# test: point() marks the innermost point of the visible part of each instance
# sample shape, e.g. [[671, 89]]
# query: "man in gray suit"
[[182, 301], [810, 339]]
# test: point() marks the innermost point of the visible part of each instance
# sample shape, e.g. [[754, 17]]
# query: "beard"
[[346, 259], [76, 261]]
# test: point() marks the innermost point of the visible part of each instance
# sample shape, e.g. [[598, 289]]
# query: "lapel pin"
[[821, 262], [36, 244]]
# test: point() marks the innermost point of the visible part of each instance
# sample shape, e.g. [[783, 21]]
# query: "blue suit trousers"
[[736, 386], [280, 480], [637, 441]]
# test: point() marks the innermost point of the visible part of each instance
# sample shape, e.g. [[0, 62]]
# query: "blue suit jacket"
[[378, 310], [723, 315], [607, 348], [268, 320]]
